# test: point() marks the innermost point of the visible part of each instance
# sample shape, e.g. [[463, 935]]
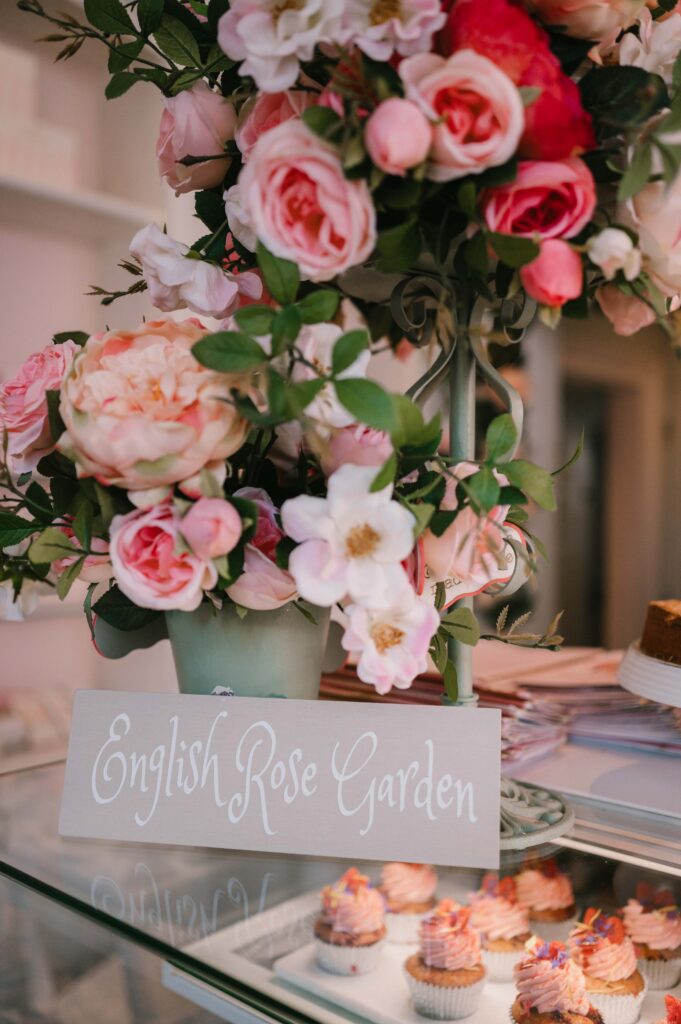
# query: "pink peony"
[[555, 276], [587, 19], [627, 313], [476, 110], [397, 136], [301, 205], [262, 586], [23, 404], [196, 122], [211, 527], [148, 567], [266, 111], [357, 444], [551, 199], [140, 412]]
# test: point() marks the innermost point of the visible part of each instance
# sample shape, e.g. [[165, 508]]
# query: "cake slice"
[[662, 631]]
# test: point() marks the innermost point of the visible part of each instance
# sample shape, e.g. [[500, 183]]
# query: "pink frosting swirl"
[[352, 905], [408, 883], [658, 928], [548, 981], [541, 891], [600, 946], [448, 941], [497, 918]]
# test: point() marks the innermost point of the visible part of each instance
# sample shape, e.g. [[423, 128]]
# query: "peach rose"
[[196, 122], [655, 213], [301, 205], [627, 313], [555, 276], [148, 567], [476, 110], [23, 404], [548, 198], [587, 19], [211, 527], [357, 444], [267, 110], [140, 412], [397, 136], [262, 586]]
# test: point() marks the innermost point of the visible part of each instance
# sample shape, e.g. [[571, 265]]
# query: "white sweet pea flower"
[[351, 542], [392, 642], [271, 37], [655, 48], [613, 250], [383, 27], [238, 219], [176, 281], [315, 343]]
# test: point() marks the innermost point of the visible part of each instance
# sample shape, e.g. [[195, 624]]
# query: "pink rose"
[[655, 213], [140, 412], [267, 110], [476, 110], [148, 567], [95, 569], [196, 122], [301, 205], [212, 528], [397, 136], [23, 404], [627, 313], [587, 19], [552, 199], [357, 444], [555, 276], [262, 586]]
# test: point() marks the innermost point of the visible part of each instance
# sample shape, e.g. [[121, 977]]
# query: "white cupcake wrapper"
[[348, 960], [499, 966], [403, 929], [624, 1009], [660, 974], [441, 1002], [553, 931]]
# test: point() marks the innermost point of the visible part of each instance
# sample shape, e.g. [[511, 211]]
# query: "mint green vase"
[[266, 654]]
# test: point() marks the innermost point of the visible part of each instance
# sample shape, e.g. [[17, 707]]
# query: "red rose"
[[556, 124]]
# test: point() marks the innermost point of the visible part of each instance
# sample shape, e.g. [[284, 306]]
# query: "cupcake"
[[547, 893], [446, 976], [606, 955], [673, 1007], [653, 921], [503, 923], [350, 931], [409, 893], [551, 987]]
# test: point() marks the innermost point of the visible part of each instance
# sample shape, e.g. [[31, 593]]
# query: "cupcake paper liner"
[[403, 929], [499, 966], [440, 1002], [660, 974], [348, 960], [553, 931], [625, 1009]]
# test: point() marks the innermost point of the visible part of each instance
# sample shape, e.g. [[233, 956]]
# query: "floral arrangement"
[[365, 173]]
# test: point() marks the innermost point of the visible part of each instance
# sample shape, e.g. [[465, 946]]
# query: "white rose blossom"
[[176, 281], [383, 27], [271, 37], [612, 250], [316, 343], [351, 543], [655, 48], [238, 219]]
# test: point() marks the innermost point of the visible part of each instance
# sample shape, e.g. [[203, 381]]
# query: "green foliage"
[[281, 277], [177, 42], [229, 352], [348, 349], [320, 120], [502, 436], [367, 402], [513, 251], [461, 624], [385, 475], [49, 546], [399, 247], [118, 611], [318, 306], [110, 16], [483, 489], [534, 481], [255, 319]]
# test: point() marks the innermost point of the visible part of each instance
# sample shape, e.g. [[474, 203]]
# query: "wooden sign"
[[351, 780]]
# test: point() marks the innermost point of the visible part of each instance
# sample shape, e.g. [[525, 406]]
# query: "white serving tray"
[[650, 678]]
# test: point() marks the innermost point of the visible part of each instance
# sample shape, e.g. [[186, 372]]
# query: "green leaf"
[[229, 352], [281, 276], [637, 173], [462, 625], [501, 437], [210, 209], [577, 453], [399, 247], [109, 16], [513, 251], [82, 523], [422, 513], [367, 402], [177, 42], [276, 393], [676, 73], [300, 395], [69, 577], [119, 611], [320, 119], [54, 419], [451, 682], [14, 529], [107, 507], [385, 475], [255, 319], [441, 521], [123, 55], [401, 193], [620, 97], [483, 488], [80, 337], [318, 306], [49, 546], [149, 14], [283, 551], [466, 197], [119, 84], [438, 652], [347, 350], [534, 481], [285, 329]]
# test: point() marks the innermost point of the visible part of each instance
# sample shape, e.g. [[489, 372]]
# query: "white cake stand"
[[650, 677]]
